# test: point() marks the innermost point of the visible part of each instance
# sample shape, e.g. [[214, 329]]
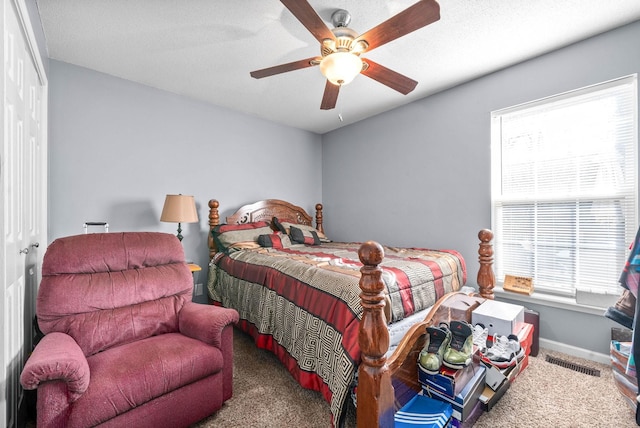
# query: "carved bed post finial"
[[486, 278], [375, 392], [214, 220], [319, 227]]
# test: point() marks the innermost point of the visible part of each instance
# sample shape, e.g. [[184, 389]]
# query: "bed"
[[322, 307]]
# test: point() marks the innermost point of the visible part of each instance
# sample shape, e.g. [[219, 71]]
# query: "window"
[[564, 188]]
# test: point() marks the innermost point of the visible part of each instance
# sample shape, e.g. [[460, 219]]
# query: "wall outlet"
[[198, 290]]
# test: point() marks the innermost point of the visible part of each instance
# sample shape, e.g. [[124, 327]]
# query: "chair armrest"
[[57, 357], [205, 322]]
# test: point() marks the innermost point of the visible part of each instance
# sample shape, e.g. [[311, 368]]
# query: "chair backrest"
[[107, 289]]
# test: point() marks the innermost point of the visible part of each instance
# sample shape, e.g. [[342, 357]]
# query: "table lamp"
[[179, 209]]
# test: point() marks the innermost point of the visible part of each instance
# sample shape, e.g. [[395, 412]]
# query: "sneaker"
[[458, 354], [480, 336], [505, 352], [430, 358]]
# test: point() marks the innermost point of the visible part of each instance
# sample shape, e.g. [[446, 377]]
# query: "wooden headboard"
[[285, 211], [262, 210]]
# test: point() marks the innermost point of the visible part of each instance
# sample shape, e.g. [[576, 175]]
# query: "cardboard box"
[[422, 411], [490, 398], [471, 419], [461, 307], [499, 317], [496, 384], [511, 373], [463, 403], [533, 318], [525, 337], [498, 381], [494, 378], [514, 372], [449, 381]]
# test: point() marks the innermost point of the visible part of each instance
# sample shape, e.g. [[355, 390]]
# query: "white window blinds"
[[564, 188]]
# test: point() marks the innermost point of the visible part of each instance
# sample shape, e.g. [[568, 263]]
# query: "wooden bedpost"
[[214, 220], [486, 277], [319, 227], [375, 394]]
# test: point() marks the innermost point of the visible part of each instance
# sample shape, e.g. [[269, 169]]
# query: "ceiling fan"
[[341, 48]]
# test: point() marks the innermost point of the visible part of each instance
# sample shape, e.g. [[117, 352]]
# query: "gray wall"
[[116, 148], [424, 169]]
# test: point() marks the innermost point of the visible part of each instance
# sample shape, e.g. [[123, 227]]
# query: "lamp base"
[[179, 233]]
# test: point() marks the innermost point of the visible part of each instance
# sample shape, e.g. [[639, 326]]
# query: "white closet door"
[[23, 179]]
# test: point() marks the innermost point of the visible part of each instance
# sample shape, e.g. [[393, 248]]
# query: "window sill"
[[559, 302]]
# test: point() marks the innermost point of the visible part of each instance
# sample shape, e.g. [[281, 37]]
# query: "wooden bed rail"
[[375, 394]]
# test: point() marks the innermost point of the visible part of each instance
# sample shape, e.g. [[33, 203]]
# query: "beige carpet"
[[544, 395], [548, 395]]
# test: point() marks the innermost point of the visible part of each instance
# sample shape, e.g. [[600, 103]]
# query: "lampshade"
[[341, 67], [179, 209]]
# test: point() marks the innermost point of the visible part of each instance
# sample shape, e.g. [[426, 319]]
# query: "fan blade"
[[330, 96], [303, 11], [414, 17], [283, 68], [388, 77]]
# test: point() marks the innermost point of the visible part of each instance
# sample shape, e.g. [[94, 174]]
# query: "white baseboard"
[[575, 351]]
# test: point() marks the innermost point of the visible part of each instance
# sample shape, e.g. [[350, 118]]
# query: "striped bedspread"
[[303, 304]]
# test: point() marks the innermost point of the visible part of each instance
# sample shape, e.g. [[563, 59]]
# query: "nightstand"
[[195, 268]]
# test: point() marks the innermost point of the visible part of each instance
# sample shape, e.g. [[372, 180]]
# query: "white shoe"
[[480, 336], [505, 352]]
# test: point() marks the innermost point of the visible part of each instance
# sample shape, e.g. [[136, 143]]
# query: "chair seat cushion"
[[128, 376]]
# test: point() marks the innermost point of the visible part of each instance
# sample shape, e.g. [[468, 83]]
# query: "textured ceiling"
[[205, 49]]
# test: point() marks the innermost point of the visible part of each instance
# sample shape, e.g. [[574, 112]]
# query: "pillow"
[[307, 237], [276, 240], [277, 226], [304, 227], [232, 237]]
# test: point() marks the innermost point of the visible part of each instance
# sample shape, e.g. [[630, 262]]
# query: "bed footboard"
[[376, 395], [375, 391], [486, 277]]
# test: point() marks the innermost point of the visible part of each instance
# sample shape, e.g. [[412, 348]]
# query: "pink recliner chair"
[[124, 345]]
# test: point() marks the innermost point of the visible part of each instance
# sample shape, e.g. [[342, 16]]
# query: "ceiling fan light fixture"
[[341, 47], [341, 67]]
